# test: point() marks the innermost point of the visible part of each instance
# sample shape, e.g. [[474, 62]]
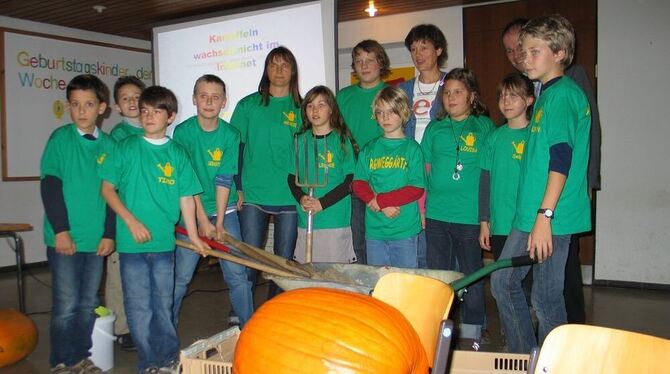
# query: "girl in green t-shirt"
[[501, 163], [335, 157], [452, 146]]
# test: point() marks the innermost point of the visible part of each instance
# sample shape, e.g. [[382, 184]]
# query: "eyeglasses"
[[380, 113]]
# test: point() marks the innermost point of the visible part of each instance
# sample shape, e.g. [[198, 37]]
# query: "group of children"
[[465, 186]]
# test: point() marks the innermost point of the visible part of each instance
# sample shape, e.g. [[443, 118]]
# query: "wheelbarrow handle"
[[490, 268]]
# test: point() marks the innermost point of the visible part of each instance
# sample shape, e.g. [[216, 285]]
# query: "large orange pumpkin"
[[319, 330], [18, 336]]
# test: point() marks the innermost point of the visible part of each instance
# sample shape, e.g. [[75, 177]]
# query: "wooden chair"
[[425, 302], [593, 349]]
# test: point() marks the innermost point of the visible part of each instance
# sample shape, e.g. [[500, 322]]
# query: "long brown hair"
[[337, 123], [285, 54]]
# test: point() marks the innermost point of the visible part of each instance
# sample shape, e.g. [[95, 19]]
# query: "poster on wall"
[[37, 69]]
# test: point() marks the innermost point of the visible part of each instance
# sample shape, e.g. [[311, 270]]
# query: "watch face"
[[548, 213]]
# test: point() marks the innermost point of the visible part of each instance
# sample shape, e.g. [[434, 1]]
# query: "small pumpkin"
[[18, 336], [320, 330]]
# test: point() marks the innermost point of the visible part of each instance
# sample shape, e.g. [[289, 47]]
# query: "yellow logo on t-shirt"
[[167, 170], [326, 160], [518, 149], [538, 117], [101, 158], [469, 140], [290, 119], [388, 162], [216, 157]]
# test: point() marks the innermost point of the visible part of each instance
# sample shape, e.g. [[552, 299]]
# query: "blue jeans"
[[455, 246], [422, 251], [358, 229], [254, 224], [236, 276], [398, 253], [75, 282], [546, 295], [148, 288]]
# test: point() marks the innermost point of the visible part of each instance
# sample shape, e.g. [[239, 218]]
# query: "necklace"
[[418, 86], [459, 165]]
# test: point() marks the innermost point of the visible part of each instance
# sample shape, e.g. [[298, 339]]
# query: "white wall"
[[20, 201], [390, 31], [633, 230]]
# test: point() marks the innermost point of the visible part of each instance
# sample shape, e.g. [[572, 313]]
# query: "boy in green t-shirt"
[[127, 92], [553, 201], [371, 65], [389, 178], [213, 147], [155, 181], [78, 230]]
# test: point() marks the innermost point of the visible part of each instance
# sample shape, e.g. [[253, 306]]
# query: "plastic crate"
[[470, 362], [214, 355]]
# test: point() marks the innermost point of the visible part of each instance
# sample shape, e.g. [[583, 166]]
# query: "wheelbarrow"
[[289, 274]]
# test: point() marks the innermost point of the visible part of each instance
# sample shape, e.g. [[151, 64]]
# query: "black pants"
[[573, 290]]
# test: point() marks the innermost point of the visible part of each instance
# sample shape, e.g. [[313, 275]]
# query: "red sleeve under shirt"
[[399, 197]]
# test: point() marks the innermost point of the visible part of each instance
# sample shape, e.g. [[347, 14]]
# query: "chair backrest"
[[593, 349], [424, 301]]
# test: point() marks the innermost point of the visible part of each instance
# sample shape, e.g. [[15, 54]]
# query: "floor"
[[205, 312]]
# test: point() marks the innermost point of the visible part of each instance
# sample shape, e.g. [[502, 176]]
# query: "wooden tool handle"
[[267, 258], [239, 260]]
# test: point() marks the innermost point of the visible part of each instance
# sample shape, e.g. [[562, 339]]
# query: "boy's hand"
[[240, 200], [138, 231], [485, 235], [220, 231], [200, 245], [105, 247], [206, 229], [373, 205], [539, 241], [391, 211], [64, 244]]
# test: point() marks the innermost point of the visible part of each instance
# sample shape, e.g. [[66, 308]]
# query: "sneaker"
[[126, 342], [151, 370], [172, 368], [86, 366], [233, 320], [61, 369], [468, 344]]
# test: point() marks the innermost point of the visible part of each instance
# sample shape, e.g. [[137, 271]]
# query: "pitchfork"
[[303, 179]]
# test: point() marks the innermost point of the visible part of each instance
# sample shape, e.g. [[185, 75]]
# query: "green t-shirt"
[[150, 179], [211, 153], [341, 161], [267, 133], [448, 199], [123, 130], [560, 115], [73, 159], [503, 152], [387, 165], [355, 103]]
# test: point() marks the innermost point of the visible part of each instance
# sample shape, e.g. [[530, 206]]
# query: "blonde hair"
[[557, 31], [395, 98]]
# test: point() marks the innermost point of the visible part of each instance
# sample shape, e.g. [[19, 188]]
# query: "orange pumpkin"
[[319, 330], [18, 336]]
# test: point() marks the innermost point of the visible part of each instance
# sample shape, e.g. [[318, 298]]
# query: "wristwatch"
[[548, 213]]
